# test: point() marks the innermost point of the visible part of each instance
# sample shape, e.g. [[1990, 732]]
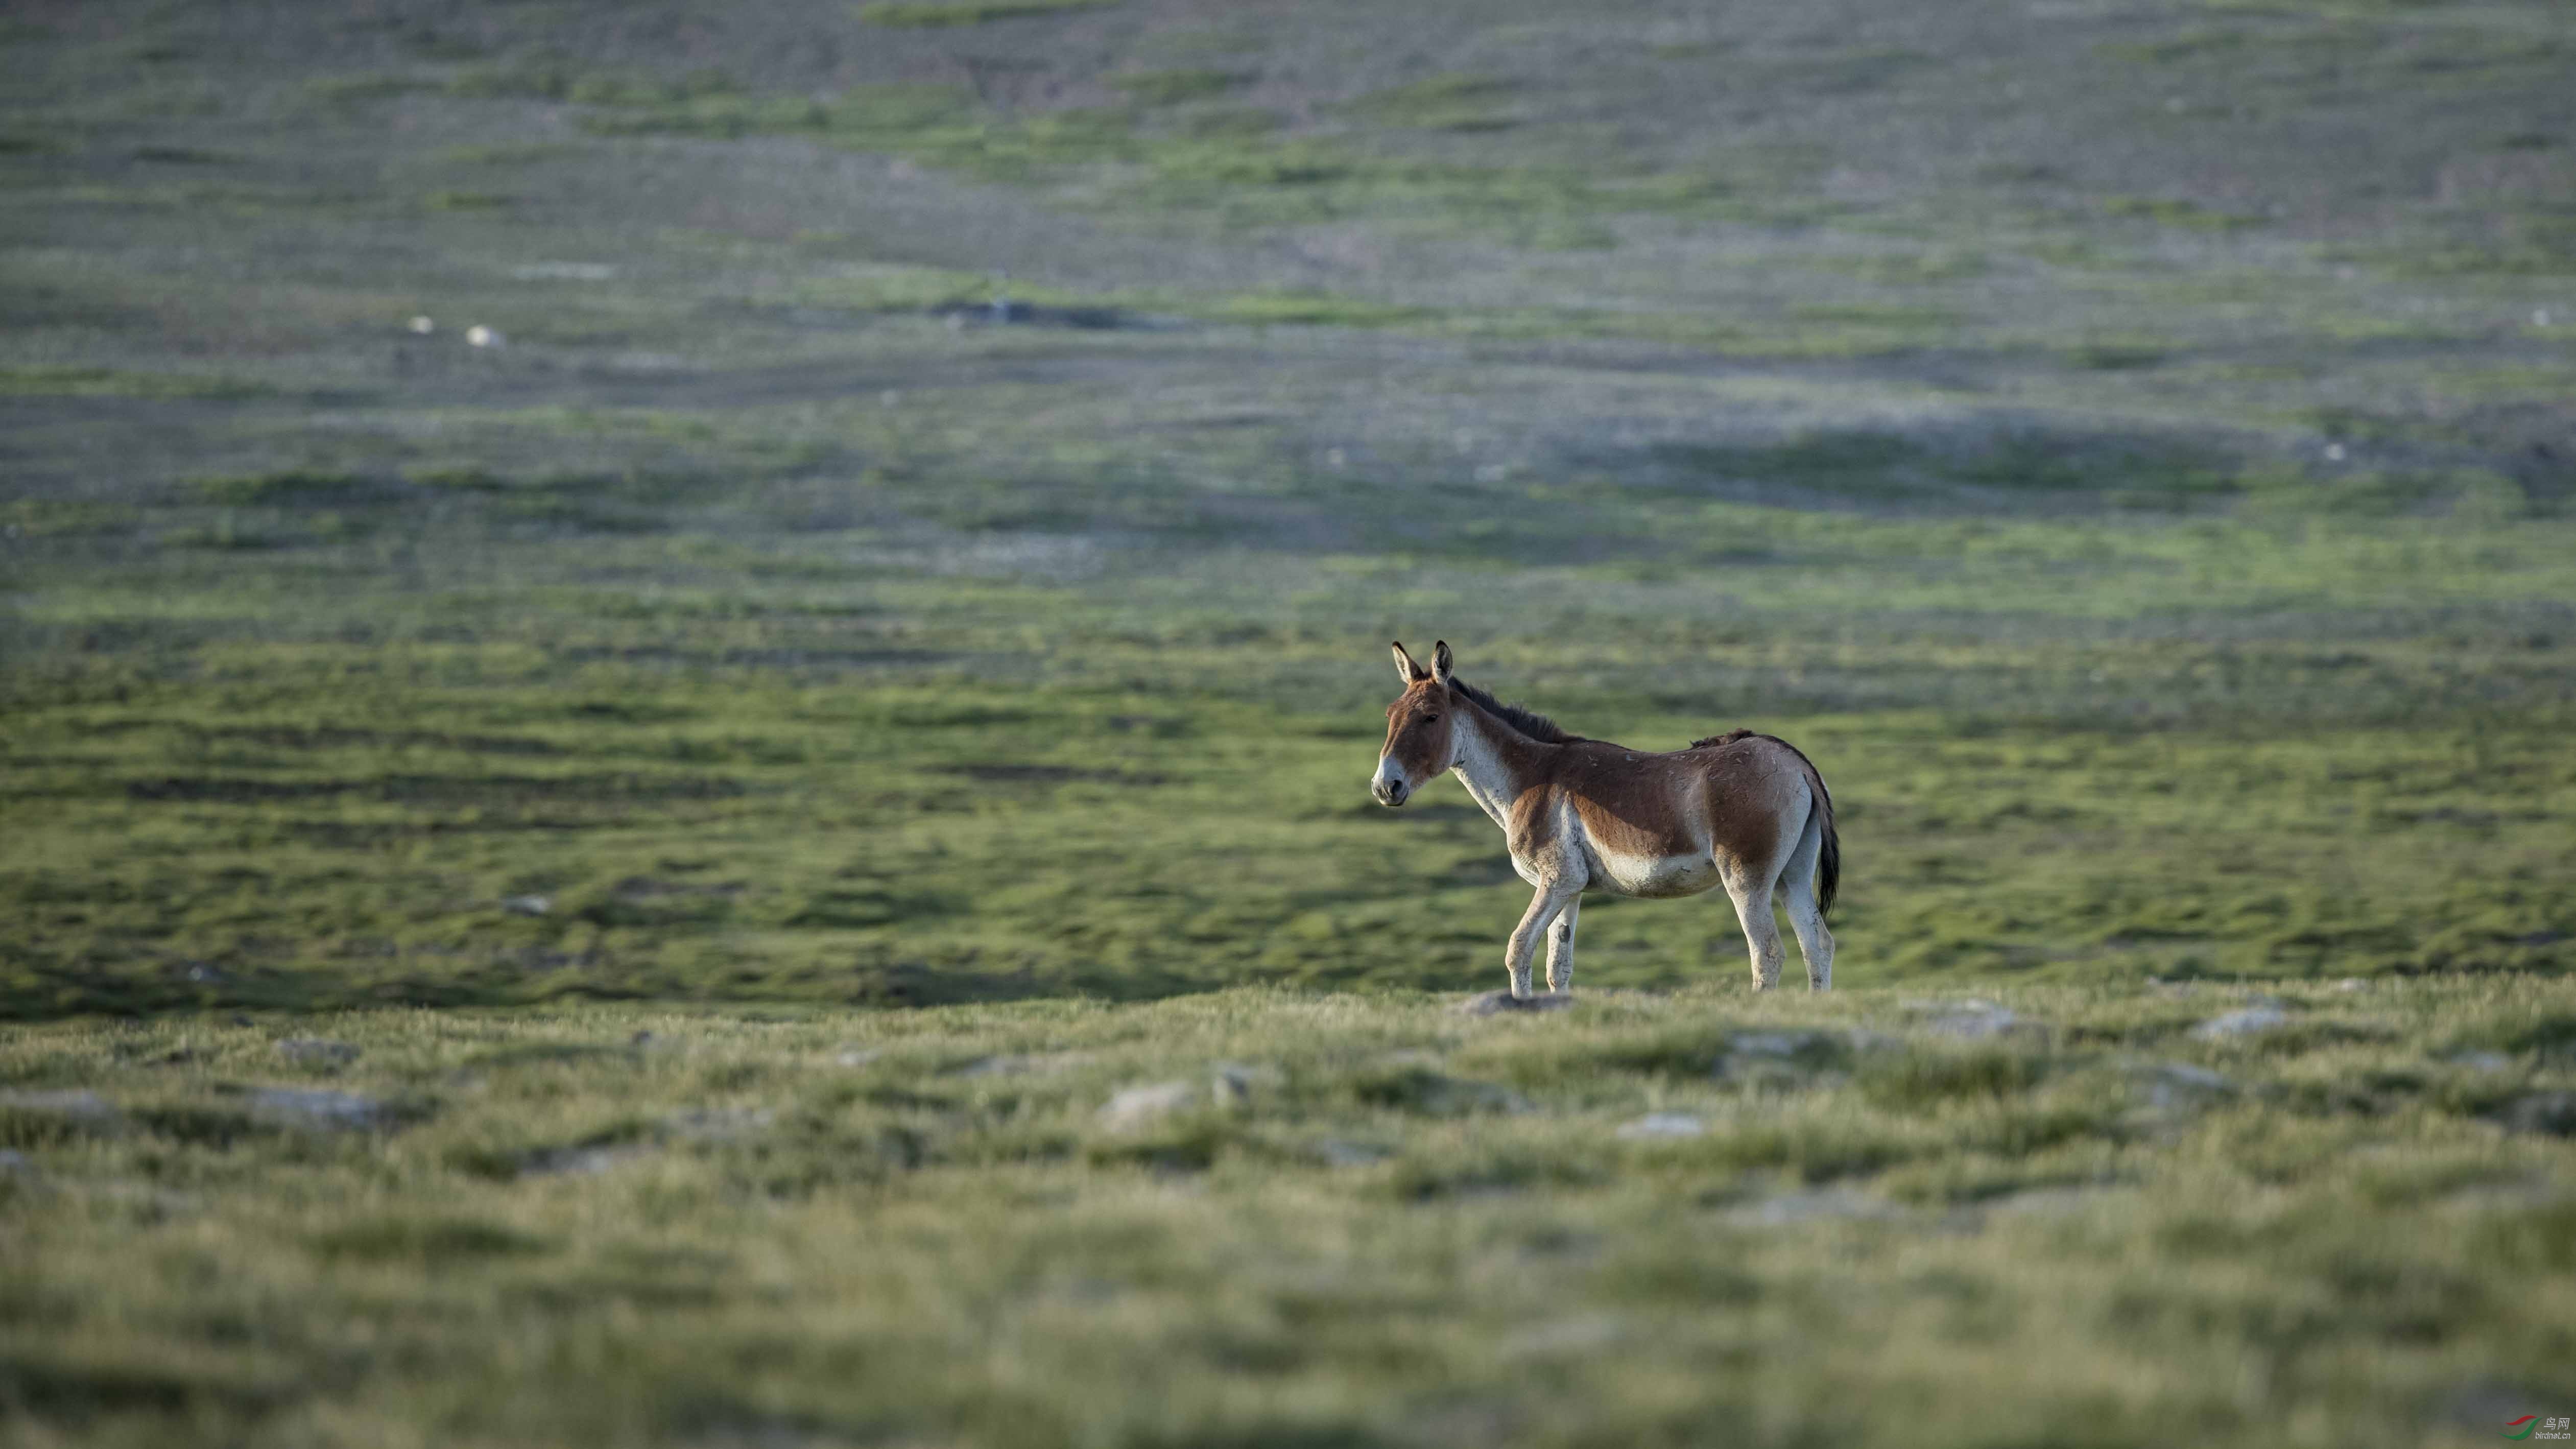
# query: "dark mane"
[[1529, 722]]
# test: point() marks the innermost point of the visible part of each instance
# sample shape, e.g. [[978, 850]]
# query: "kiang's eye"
[[1428, 718]]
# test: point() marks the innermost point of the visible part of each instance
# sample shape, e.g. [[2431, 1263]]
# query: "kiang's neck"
[[1495, 761]]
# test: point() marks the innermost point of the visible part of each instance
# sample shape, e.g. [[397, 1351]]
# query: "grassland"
[[913, 578], [2066, 1215]]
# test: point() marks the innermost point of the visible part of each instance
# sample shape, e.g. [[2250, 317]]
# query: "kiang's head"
[[1421, 728]]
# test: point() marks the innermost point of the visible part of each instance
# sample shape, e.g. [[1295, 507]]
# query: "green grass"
[[1175, 87], [1441, 103], [939, 14], [709, 801], [713, 805], [1233, 175], [59, 381], [1347, 1220]]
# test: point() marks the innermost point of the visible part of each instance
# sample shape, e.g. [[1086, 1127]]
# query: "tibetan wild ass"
[[1741, 810]]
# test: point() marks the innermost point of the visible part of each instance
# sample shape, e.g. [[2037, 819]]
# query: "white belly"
[[1652, 875]]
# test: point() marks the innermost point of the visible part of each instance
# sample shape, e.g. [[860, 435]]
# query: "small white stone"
[[527, 905], [2334, 452], [317, 1050], [479, 335], [2540, 318], [423, 326], [344, 1110], [1974, 1019], [1663, 1125], [2251, 1021], [1137, 1106]]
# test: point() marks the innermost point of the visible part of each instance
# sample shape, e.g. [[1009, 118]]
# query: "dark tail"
[[1829, 860]]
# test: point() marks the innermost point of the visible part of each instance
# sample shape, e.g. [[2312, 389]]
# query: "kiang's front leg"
[[1560, 947], [1544, 907]]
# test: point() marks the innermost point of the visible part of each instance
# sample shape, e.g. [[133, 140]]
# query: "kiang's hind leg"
[[1798, 894], [1751, 892], [1560, 947]]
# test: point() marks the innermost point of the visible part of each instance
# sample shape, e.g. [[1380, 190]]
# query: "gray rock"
[[1803, 1207], [1972, 1019], [2245, 1021], [858, 1056], [2352, 983], [1788, 1059], [719, 1124], [1771, 1043], [2045, 1201], [1020, 1065], [2180, 1086], [317, 1051], [1339, 1153], [1233, 1083], [77, 1105], [2481, 1405], [1437, 1094], [327, 1111], [576, 1161], [1492, 1003], [1655, 1126], [2551, 1114], [1136, 1107], [2481, 1061], [527, 905]]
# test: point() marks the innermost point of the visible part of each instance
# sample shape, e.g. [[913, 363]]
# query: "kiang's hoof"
[[1492, 1002]]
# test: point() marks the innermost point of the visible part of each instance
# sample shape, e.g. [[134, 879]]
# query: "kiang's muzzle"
[[1388, 787]]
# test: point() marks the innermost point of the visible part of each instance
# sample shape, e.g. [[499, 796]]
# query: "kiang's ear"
[[1405, 668], [1442, 664]]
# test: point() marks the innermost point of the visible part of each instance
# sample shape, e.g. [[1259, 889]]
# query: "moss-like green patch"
[[940, 14]]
